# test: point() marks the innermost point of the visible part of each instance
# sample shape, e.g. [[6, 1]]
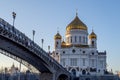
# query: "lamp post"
[[42, 41], [33, 34], [14, 16], [49, 49]]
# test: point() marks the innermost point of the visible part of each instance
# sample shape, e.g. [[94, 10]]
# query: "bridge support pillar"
[[47, 76]]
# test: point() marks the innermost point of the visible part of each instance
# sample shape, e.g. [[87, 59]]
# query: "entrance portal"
[[83, 72], [74, 72]]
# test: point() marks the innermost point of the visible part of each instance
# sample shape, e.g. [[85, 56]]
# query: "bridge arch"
[[22, 53], [63, 77], [18, 44], [29, 66]]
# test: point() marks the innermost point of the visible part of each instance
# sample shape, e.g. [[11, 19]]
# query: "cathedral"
[[78, 51]]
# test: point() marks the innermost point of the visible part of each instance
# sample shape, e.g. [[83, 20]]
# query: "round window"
[[73, 50]]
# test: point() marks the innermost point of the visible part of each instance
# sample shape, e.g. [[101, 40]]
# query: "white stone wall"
[[57, 44], [90, 56], [77, 33], [81, 59]]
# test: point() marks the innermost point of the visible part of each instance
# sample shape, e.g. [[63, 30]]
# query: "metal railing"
[[15, 35]]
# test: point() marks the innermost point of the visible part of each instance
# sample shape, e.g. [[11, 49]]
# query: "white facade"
[[78, 53]]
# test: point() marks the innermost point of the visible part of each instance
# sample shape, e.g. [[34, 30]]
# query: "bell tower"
[[57, 39], [93, 40]]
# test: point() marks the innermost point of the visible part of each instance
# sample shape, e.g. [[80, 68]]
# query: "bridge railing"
[[15, 35]]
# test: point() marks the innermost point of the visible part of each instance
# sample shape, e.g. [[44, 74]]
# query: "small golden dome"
[[76, 24], [92, 35], [57, 36], [63, 43]]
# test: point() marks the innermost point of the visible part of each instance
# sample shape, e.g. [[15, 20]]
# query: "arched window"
[[73, 61], [92, 43], [83, 39], [83, 61], [83, 72], [75, 38], [74, 72], [57, 43], [80, 39], [71, 39]]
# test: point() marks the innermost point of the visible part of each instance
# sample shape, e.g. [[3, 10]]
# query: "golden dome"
[[76, 24], [57, 36], [92, 35], [63, 43]]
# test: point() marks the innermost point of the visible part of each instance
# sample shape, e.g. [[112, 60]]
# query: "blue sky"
[[44, 16]]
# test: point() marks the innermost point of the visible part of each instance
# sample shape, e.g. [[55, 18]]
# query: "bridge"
[[18, 46]]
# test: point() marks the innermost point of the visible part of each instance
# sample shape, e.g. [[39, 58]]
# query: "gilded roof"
[[92, 35], [57, 36], [63, 43], [76, 24]]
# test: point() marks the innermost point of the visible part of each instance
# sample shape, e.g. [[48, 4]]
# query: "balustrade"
[[15, 35]]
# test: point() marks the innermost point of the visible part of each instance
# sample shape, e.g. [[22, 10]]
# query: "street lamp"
[[14, 16], [49, 49], [42, 41], [33, 34]]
